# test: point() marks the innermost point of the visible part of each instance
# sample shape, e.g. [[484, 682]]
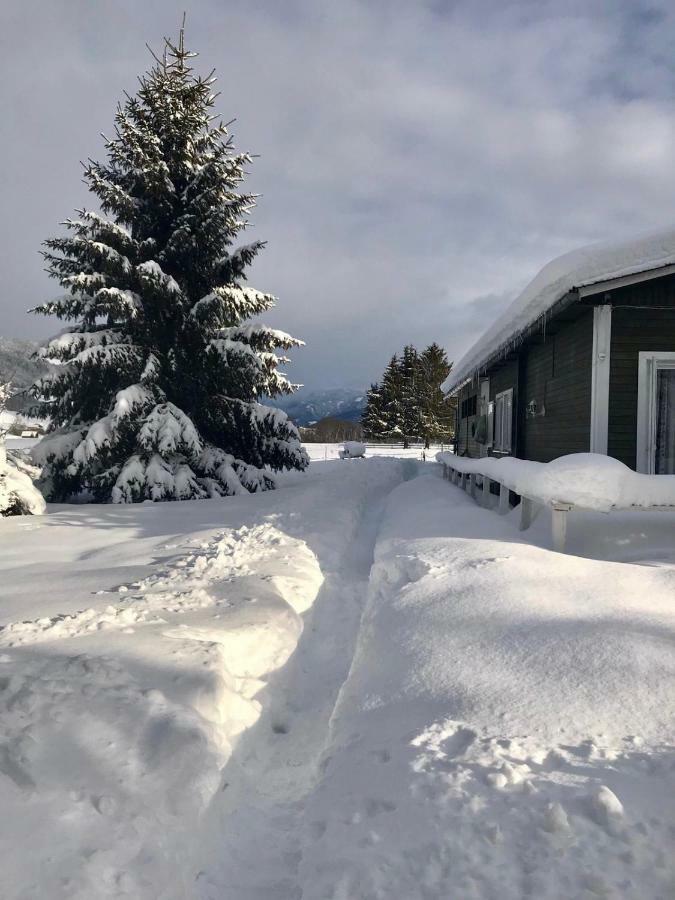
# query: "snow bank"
[[589, 480], [507, 726], [580, 268]]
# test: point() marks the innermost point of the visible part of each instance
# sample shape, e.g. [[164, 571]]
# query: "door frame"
[[649, 362]]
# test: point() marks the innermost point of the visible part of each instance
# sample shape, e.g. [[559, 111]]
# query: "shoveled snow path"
[[255, 828]]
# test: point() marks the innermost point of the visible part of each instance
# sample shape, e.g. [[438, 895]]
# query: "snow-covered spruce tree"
[[411, 389], [392, 400], [18, 494], [437, 412], [162, 371], [371, 417]]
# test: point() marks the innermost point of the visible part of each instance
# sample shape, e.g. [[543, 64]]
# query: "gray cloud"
[[418, 161]]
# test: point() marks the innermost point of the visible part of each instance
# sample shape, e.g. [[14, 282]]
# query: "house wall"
[[557, 378], [643, 318], [502, 378], [466, 445]]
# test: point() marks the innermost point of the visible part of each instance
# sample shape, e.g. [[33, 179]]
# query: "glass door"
[[656, 413], [664, 436]]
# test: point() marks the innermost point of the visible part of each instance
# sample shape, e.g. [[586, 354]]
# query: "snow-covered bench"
[[587, 481]]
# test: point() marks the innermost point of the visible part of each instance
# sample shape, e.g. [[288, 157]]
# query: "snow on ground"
[[362, 685], [507, 726], [323, 452], [136, 641]]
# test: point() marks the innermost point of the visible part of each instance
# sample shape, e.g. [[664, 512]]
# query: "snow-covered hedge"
[[590, 480]]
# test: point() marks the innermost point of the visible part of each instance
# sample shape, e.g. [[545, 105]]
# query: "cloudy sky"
[[419, 160]]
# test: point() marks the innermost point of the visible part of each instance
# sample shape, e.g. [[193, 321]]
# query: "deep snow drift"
[[362, 685]]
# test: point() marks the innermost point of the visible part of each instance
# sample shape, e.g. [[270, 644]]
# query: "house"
[[583, 360]]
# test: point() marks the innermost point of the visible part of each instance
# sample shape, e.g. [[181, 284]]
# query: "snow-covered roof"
[[590, 265]]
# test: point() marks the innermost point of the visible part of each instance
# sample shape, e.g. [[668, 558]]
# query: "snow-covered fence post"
[[504, 500], [559, 525], [472, 485]]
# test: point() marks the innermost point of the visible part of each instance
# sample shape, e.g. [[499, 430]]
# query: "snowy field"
[[323, 452], [359, 686]]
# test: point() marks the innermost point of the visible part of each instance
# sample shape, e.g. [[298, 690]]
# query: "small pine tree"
[[158, 392]]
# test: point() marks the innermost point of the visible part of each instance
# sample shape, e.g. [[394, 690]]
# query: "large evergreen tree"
[[371, 418], [392, 401], [411, 390], [409, 401], [436, 411], [158, 395]]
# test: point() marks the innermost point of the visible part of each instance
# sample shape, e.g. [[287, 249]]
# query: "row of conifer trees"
[[408, 402]]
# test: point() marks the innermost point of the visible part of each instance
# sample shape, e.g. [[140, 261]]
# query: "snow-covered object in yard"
[[580, 268], [353, 450], [588, 480]]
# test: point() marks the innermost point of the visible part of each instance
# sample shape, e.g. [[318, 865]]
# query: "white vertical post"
[[486, 491], [602, 339], [472, 485], [526, 513], [504, 505], [559, 525]]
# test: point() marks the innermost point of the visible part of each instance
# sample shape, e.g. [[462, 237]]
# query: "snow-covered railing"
[[587, 481]]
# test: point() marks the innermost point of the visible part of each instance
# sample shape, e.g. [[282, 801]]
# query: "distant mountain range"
[[307, 407], [18, 365]]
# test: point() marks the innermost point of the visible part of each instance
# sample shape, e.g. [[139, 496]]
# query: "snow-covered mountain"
[[307, 407], [18, 364]]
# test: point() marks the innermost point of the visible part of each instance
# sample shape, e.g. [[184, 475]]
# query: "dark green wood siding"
[[643, 318], [557, 380], [466, 445]]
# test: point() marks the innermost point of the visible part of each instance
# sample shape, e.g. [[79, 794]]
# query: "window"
[[469, 407], [503, 421]]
